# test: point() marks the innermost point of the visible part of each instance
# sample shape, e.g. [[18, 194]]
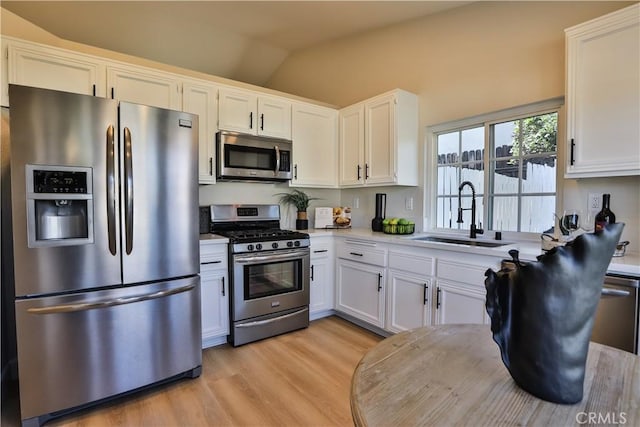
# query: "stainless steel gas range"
[[268, 271]]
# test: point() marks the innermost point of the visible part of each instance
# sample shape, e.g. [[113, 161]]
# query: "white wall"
[[467, 61]]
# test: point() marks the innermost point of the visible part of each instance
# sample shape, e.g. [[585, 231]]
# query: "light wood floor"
[[298, 379]]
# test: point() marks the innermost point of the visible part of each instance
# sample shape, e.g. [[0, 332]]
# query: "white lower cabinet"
[[457, 303], [408, 302], [322, 277], [214, 293], [460, 293], [409, 289], [360, 291]]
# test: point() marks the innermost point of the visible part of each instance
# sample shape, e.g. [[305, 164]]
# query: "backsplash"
[[625, 201], [265, 193]]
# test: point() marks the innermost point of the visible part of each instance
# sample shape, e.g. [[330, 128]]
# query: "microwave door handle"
[[111, 185], [128, 191], [275, 172]]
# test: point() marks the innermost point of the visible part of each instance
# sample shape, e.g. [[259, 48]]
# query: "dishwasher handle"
[[609, 292]]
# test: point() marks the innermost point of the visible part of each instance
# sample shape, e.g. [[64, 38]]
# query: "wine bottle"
[[605, 216]]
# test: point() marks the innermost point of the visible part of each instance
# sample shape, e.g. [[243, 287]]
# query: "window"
[[510, 160]]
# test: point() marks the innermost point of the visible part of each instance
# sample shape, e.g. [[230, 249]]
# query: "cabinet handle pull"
[[317, 251], [425, 289], [261, 121], [113, 93], [438, 299], [355, 253], [212, 262], [94, 90], [210, 166], [366, 171], [573, 144], [222, 285], [251, 120], [295, 171], [379, 281], [312, 273], [359, 168]]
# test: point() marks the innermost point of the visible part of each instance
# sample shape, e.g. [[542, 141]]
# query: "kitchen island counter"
[[453, 375]]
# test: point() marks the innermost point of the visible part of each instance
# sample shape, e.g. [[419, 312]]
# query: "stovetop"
[[254, 228], [261, 235]]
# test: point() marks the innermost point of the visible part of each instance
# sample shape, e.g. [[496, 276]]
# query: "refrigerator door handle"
[[128, 191], [68, 308], [111, 189]]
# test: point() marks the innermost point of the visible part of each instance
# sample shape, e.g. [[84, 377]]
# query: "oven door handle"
[[267, 321], [241, 259]]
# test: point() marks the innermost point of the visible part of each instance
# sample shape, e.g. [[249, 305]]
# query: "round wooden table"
[[453, 374]]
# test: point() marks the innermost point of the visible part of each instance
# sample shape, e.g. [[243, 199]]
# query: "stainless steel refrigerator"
[[104, 211]]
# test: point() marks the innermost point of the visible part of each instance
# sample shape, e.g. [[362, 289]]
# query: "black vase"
[[542, 314]]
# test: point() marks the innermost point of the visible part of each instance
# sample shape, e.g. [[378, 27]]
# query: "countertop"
[[453, 375], [628, 265]]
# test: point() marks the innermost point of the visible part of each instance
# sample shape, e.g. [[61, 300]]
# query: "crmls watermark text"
[[601, 417]]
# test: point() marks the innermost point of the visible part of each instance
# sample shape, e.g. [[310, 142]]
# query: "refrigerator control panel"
[[56, 181]]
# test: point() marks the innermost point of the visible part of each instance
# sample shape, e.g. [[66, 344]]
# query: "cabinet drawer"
[[213, 254], [363, 252], [463, 273], [413, 263], [320, 250]]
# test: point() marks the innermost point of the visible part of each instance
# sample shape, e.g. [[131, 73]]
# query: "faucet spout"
[[474, 230]]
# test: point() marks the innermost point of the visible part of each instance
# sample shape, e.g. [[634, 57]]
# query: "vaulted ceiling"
[[241, 40]]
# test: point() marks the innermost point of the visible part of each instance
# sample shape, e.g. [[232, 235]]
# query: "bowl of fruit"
[[398, 226]]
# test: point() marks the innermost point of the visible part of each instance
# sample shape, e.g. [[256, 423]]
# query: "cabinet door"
[[201, 99], [360, 289], [603, 96], [321, 285], [144, 86], [408, 302], [274, 118], [315, 142], [456, 303], [56, 69], [215, 303], [351, 142], [380, 133], [237, 111]]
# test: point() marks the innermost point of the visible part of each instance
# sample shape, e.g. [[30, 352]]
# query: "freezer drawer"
[[76, 349]]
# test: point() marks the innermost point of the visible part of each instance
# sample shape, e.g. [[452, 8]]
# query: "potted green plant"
[[300, 200]]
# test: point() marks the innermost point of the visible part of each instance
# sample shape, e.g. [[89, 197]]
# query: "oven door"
[[269, 282]]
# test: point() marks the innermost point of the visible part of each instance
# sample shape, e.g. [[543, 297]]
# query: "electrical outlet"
[[408, 203], [594, 203], [356, 202]]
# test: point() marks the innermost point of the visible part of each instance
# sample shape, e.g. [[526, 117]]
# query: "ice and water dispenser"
[[59, 205]]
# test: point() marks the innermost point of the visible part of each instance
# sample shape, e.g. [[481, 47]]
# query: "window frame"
[[487, 121]]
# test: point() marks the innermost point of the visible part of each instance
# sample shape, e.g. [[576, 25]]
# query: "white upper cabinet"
[[51, 68], [603, 95], [145, 86], [248, 112], [315, 146], [201, 98], [352, 145], [379, 141]]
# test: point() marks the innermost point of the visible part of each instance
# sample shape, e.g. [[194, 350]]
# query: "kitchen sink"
[[456, 241]]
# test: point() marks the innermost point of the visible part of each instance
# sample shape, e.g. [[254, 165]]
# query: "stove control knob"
[[289, 244], [296, 243], [250, 247], [259, 246], [274, 245]]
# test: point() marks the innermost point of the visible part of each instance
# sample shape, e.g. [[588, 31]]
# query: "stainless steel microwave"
[[254, 158]]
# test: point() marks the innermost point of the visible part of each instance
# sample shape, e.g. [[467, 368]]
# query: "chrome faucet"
[[473, 229]]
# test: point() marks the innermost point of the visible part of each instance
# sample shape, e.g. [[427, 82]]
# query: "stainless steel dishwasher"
[[616, 323]]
